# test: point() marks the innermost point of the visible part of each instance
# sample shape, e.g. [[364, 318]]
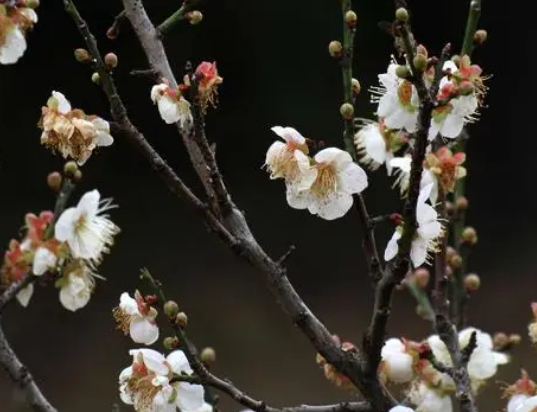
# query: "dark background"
[[273, 57]]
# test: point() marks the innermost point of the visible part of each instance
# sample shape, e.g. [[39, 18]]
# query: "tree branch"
[[14, 288], [20, 375], [234, 230]]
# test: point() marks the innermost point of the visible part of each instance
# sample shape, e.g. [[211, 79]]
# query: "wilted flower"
[[146, 383], [397, 100], [330, 194], [172, 106], [428, 231], [376, 144], [208, 81], [137, 318], [85, 228], [70, 131], [14, 23]]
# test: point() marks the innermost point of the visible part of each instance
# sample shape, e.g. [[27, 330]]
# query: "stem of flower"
[[471, 26]]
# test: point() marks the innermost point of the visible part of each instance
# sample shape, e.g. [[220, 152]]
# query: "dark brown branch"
[[13, 289], [234, 231], [22, 378]]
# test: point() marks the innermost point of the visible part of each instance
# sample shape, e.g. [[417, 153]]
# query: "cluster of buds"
[[330, 372], [16, 19]]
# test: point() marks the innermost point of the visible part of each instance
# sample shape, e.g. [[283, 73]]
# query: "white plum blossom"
[[337, 178], [13, 27], [85, 228], [44, 260], [287, 160], [427, 399], [397, 100], [529, 405], [484, 361], [397, 363], [137, 318], [146, 383], [172, 106], [428, 231], [449, 119], [516, 402], [76, 286]]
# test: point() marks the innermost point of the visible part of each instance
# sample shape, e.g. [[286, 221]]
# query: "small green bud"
[[170, 342], [111, 60], [77, 176], [171, 309], [181, 319], [356, 87], [347, 111], [95, 78], [402, 72], [401, 14], [351, 18], [31, 4], [469, 235], [208, 356], [480, 37], [421, 277], [500, 340], [514, 339], [420, 62], [194, 17], [54, 181], [472, 282], [421, 49], [82, 55], [461, 203], [70, 168], [455, 261], [335, 48]]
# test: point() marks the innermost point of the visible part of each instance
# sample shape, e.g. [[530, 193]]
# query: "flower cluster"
[[324, 184], [16, 19], [430, 390], [70, 248], [71, 132], [153, 383]]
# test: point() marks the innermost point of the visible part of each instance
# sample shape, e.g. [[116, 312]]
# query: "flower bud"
[[466, 88], [31, 4], [77, 176], [54, 181], [171, 309], [347, 111], [95, 78], [469, 235], [170, 342], [351, 18], [472, 282], [70, 168], [450, 252], [402, 71], [401, 14], [356, 87], [448, 272], [335, 48], [420, 62], [456, 261], [208, 356], [450, 208], [514, 339], [82, 55], [181, 319], [194, 17], [480, 37], [456, 59], [422, 50], [461, 203], [421, 277], [500, 340], [110, 59], [112, 32]]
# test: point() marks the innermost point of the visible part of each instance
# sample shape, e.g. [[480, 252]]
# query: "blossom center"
[[326, 181], [141, 388], [122, 319]]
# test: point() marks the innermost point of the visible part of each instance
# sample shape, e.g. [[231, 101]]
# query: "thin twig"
[[20, 375], [180, 15]]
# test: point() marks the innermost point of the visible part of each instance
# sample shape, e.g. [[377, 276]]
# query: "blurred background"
[[273, 57]]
